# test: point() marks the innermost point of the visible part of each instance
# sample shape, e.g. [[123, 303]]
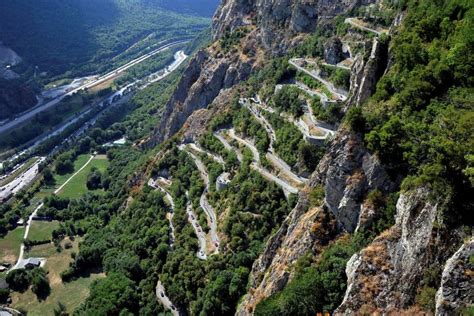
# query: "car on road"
[[162, 294]]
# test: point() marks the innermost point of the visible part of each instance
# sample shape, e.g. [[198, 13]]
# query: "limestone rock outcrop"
[[348, 173], [457, 282], [385, 276], [333, 51]]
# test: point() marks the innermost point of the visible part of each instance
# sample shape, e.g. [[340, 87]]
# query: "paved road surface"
[[193, 220], [288, 188], [227, 145], [271, 155], [160, 294], [203, 202], [154, 184], [356, 23], [21, 181], [329, 85]]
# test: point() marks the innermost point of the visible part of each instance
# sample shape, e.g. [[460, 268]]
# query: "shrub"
[[426, 299], [355, 119], [316, 197]]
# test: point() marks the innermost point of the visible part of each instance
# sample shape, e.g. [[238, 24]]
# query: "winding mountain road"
[[355, 22], [203, 202], [295, 63], [271, 155], [287, 188], [192, 219], [165, 301], [154, 184]]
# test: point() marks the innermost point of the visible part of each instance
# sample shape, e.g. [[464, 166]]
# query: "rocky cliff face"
[[348, 173], [279, 21], [201, 83], [457, 283], [385, 276], [305, 230]]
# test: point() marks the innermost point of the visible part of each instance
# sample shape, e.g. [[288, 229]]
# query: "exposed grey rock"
[[348, 173], [333, 51], [279, 20], [457, 282], [304, 230], [200, 84], [385, 276], [366, 72]]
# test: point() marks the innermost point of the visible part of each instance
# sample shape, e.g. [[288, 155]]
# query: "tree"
[[64, 164], [40, 283], [18, 280], [94, 179], [114, 295], [48, 176]]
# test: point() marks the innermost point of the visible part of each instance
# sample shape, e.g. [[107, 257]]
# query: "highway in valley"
[[27, 177], [94, 81]]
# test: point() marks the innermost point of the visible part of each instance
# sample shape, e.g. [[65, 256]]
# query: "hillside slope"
[[315, 157]]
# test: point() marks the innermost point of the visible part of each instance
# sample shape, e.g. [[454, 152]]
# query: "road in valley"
[[94, 82], [21, 181]]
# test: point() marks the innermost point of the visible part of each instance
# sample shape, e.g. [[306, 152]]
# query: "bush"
[[40, 283], [426, 299], [355, 119], [94, 179], [316, 196]]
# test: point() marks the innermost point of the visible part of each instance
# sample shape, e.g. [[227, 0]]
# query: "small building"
[[3, 268], [30, 263], [20, 222]]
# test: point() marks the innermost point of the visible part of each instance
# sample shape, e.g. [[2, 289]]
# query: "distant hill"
[[59, 36], [70, 38], [193, 7]]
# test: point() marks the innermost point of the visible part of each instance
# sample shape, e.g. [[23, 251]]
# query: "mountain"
[[383, 194], [59, 36], [200, 8], [314, 157], [68, 39]]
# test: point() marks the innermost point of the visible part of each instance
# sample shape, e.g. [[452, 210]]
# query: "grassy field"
[[70, 294], [78, 163], [42, 230], [10, 245], [77, 186]]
